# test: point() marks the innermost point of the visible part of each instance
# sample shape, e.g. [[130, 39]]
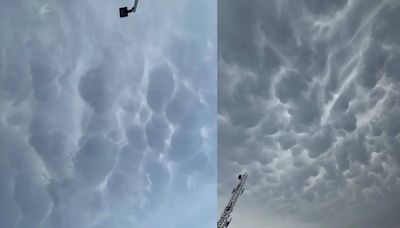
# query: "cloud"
[[308, 105], [156, 132], [160, 87], [107, 121]]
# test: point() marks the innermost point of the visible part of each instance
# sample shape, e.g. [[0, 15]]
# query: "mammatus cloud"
[[309, 106], [107, 122]]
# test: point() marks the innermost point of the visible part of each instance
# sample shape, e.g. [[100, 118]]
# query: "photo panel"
[[108, 114], [308, 107]]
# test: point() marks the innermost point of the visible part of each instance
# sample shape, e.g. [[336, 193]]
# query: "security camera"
[[124, 11]]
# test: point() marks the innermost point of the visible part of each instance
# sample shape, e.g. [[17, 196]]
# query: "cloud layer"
[[309, 106], [107, 122]]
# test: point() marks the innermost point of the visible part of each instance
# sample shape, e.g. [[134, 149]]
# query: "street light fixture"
[[124, 11]]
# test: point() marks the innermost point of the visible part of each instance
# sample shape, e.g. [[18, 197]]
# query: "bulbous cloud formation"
[[308, 96], [107, 122]]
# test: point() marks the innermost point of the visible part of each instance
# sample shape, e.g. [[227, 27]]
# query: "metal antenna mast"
[[236, 192]]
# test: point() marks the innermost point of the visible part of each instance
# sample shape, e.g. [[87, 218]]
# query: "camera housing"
[[123, 12]]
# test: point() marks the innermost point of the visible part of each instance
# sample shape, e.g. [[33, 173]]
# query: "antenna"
[[236, 192]]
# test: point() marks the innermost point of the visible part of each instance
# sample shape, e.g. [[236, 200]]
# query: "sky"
[[309, 106], [108, 121]]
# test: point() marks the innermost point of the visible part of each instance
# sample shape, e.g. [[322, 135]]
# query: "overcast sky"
[[107, 122], [309, 106]]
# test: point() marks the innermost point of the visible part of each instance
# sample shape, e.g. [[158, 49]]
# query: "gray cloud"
[[107, 121], [160, 87], [308, 105]]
